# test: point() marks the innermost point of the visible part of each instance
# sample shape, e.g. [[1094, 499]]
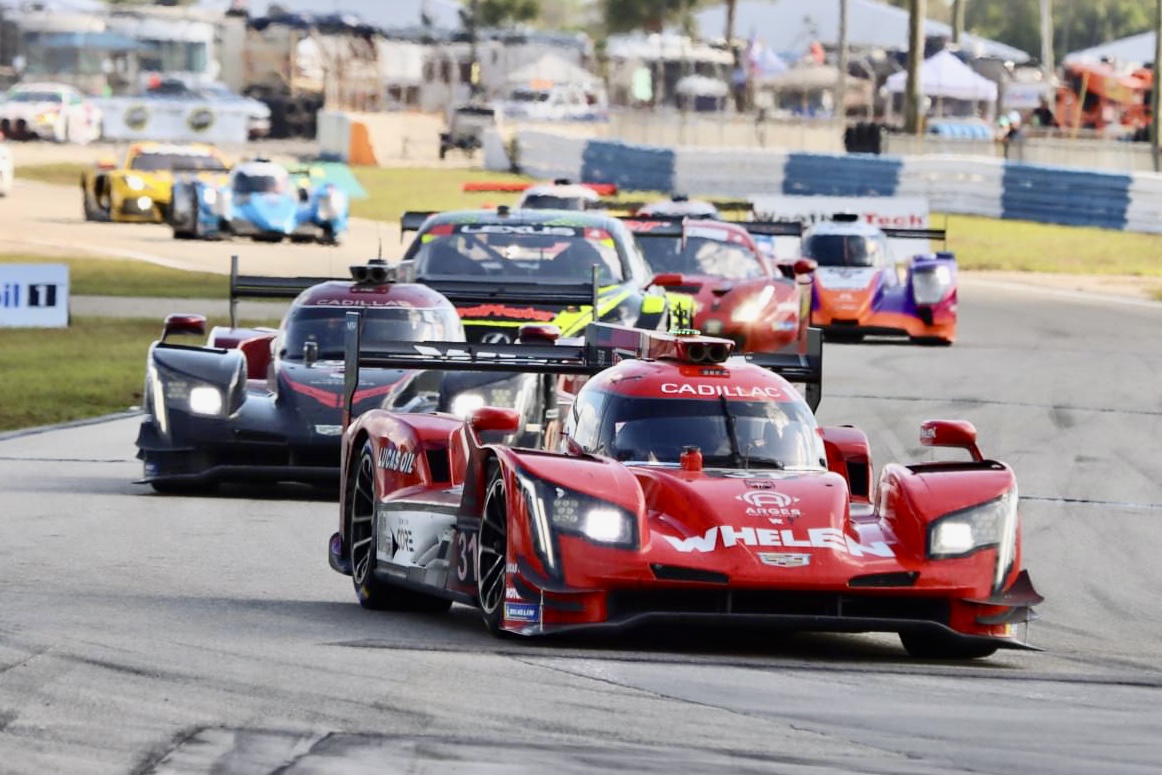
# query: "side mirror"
[[310, 353], [539, 334], [304, 195], [194, 325], [666, 279], [805, 266], [959, 434], [494, 418]]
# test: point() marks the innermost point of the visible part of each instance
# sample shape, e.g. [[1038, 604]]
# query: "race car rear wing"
[[518, 186], [412, 220], [940, 235], [509, 292], [259, 287], [603, 346], [673, 226]]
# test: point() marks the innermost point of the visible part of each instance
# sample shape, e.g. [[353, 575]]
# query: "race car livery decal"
[[726, 391], [785, 560], [518, 228], [503, 311], [844, 279], [817, 538], [392, 458], [522, 612]]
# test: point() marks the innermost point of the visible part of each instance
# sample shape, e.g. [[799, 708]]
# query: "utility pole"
[[1155, 126], [1047, 63], [729, 34], [958, 19], [473, 57], [913, 123], [841, 101]]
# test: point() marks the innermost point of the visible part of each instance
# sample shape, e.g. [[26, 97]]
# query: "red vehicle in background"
[[741, 294]]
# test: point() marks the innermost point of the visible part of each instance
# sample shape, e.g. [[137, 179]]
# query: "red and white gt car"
[[49, 111], [688, 486]]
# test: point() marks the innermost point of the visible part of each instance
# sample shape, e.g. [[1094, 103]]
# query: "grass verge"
[[105, 371], [65, 173], [127, 278]]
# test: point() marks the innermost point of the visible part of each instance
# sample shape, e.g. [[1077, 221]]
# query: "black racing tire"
[[844, 337], [492, 554], [373, 593], [927, 645]]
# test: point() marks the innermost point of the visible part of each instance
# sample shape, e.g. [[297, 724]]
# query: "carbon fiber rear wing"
[[940, 235], [672, 226], [259, 287], [412, 220], [477, 292]]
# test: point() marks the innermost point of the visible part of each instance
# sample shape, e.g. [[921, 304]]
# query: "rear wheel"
[[362, 538], [927, 645], [492, 554]]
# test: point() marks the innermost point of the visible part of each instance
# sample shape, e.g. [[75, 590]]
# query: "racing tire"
[[932, 341], [374, 594], [492, 554], [180, 232], [927, 645], [89, 212]]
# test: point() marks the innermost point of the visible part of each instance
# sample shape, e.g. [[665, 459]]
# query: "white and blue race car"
[[264, 201]]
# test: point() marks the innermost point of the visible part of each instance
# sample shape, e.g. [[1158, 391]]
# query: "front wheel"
[[362, 537], [927, 645], [492, 554]]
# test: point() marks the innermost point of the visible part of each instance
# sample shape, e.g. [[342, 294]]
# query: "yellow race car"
[[140, 190]]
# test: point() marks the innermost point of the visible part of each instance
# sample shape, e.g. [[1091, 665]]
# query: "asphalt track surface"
[[148, 634]]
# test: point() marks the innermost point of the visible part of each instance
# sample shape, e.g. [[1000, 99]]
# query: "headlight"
[[992, 524], [929, 286], [134, 183], [574, 513], [465, 404], [749, 310], [206, 399], [331, 204], [209, 195]]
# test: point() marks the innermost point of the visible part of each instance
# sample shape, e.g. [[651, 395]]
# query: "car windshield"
[[30, 95], [701, 256], [260, 184], [845, 249], [528, 252], [153, 162], [730, 434], [326, 326]]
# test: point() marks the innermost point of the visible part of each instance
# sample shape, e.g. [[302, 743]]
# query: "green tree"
[[500, 13], [648, 15]]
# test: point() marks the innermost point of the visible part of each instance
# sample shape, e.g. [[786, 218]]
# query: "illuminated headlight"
[[209, 196], [749, 310], [929, 286], [134, 183], [465, 404], [992, 524], [48, 117], [205, 399], [331, 204], [570, 512], [144, 203]]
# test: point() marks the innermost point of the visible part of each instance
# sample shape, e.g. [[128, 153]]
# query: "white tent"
[[1136, 49], [945, 76]]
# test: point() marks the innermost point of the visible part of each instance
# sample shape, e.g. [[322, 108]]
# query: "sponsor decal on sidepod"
[[816, 538]]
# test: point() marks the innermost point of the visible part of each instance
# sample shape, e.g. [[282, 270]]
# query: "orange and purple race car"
[[859, 289], [688, 486]]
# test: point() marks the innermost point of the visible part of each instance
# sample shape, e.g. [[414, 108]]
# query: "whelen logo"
[[816, 538]]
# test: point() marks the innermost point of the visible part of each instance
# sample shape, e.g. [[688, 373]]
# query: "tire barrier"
[[969, 185]]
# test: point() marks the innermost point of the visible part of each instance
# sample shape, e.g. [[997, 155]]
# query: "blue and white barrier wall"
[[969, 185]]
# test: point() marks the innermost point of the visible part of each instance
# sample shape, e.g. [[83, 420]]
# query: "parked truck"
[[297, 64]]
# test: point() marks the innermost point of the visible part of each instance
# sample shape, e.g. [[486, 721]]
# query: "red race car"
[[689, 486], [739, 293]]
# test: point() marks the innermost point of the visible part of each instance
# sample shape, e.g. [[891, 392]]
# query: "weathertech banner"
[[886, 212]]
